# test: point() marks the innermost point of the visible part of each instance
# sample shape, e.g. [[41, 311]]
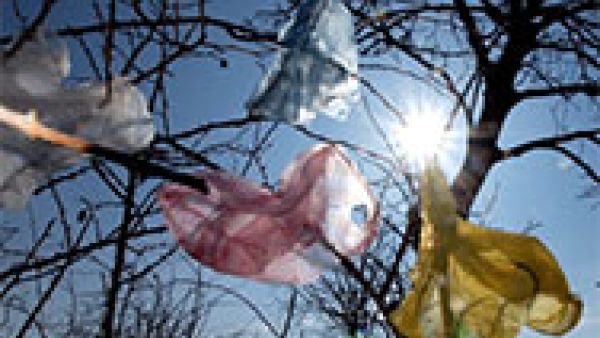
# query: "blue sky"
[[540, 187]]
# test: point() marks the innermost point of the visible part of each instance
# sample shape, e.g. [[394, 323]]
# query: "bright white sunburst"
[[424, 136]]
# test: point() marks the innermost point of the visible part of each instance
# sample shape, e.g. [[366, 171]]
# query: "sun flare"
[[423, 137]]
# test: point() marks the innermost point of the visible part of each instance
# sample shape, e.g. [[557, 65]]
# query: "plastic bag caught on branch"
[[32, 81], [316, 69], [244, 230], [472, 281]]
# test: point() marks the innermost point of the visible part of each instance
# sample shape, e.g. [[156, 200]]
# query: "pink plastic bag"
[[245, 230]]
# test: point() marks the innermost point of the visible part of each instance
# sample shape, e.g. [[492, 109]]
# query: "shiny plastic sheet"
[[244, 230], [494, 282], [316, 69], [32, 81]]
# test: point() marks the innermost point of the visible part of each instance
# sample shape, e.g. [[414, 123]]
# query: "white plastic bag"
[[32, 81], [315, 71]]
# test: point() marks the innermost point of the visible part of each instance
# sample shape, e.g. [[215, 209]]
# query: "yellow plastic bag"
[[472, 281]]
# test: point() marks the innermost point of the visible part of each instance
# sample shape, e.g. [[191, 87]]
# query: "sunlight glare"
[[423, 137]]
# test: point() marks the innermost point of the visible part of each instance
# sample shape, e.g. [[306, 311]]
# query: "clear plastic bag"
[[315, 71], [32, 81]]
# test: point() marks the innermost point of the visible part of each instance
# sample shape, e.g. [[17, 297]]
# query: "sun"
[[424, 136]]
